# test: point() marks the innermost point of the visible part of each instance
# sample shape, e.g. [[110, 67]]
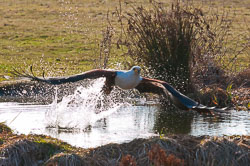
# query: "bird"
[[128, 79]]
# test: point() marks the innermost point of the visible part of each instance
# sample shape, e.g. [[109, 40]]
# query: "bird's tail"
[[209, 110]]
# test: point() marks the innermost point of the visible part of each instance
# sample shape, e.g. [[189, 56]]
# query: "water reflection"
[[170, 120], [235, 123], [124, 124]]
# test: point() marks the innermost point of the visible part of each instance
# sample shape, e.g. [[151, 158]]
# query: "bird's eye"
[[133, 68]]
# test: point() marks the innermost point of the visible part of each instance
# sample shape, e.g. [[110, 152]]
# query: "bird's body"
[[128, 80]]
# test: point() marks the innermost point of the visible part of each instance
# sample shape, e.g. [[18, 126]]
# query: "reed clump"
[[169, 41], [182, 44]]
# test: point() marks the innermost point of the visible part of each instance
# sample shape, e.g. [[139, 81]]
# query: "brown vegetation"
[[182, 43], [127, 160], [175, 150], [158, 157], [189, 46], [172, 150]]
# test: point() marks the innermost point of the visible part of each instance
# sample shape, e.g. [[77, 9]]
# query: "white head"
[[136, 69], [128, 79]]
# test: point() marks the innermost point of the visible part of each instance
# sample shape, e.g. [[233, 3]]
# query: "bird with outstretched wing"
[[128, 80]]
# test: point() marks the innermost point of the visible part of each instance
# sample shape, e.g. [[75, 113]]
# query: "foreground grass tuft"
[[173, 150]]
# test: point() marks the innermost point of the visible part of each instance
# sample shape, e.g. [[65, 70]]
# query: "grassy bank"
[[64, 36], [49, 33], [172, 150]]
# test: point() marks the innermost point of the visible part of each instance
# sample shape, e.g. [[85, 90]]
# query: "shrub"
[[167, 41], [178, 43]]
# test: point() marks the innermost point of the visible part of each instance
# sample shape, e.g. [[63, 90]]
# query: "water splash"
[[83, 108]]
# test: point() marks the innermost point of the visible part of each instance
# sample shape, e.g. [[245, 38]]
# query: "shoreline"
[[176, 149], [173, 149], [32, 91]]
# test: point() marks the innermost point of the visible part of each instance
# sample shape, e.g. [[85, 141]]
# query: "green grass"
[[64, 36], [239, 13]]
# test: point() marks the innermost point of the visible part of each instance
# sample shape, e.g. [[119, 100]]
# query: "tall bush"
[[169, 41]]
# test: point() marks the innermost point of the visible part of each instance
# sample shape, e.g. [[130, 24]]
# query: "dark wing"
[[92, 74], [180, 100]]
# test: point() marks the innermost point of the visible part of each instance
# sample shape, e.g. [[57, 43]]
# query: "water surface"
[[88, 118], [122, 124]]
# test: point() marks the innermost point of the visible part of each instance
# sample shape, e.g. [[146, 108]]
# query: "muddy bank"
[[171, 150]]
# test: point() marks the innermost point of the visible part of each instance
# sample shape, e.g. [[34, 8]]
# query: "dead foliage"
[[241, 98], [169, 40], [231, 91], [22, 152], [176, 150], [235, 93], [63, 159], [127, 160], [182, 43], [139, 149], [158, 157], [214, 96], [105, 47], [189, 46], [221, 151], [242, 79], [30, 150]]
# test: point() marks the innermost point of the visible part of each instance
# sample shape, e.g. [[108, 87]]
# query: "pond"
[[87, 119]]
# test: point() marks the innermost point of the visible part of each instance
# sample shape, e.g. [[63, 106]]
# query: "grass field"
[[64, 35]]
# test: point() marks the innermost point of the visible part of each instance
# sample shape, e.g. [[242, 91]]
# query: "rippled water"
[[87, 118], [122, 125]]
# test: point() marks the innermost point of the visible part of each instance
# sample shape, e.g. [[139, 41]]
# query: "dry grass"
[[22, 152], [127, 160], [177, 150], [238, 15], [187, 41], [64, 159], [170, 41], [221, 151], [158, 157]]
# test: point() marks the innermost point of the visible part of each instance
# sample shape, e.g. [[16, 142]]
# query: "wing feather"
[[180, 100], [92, 74]]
